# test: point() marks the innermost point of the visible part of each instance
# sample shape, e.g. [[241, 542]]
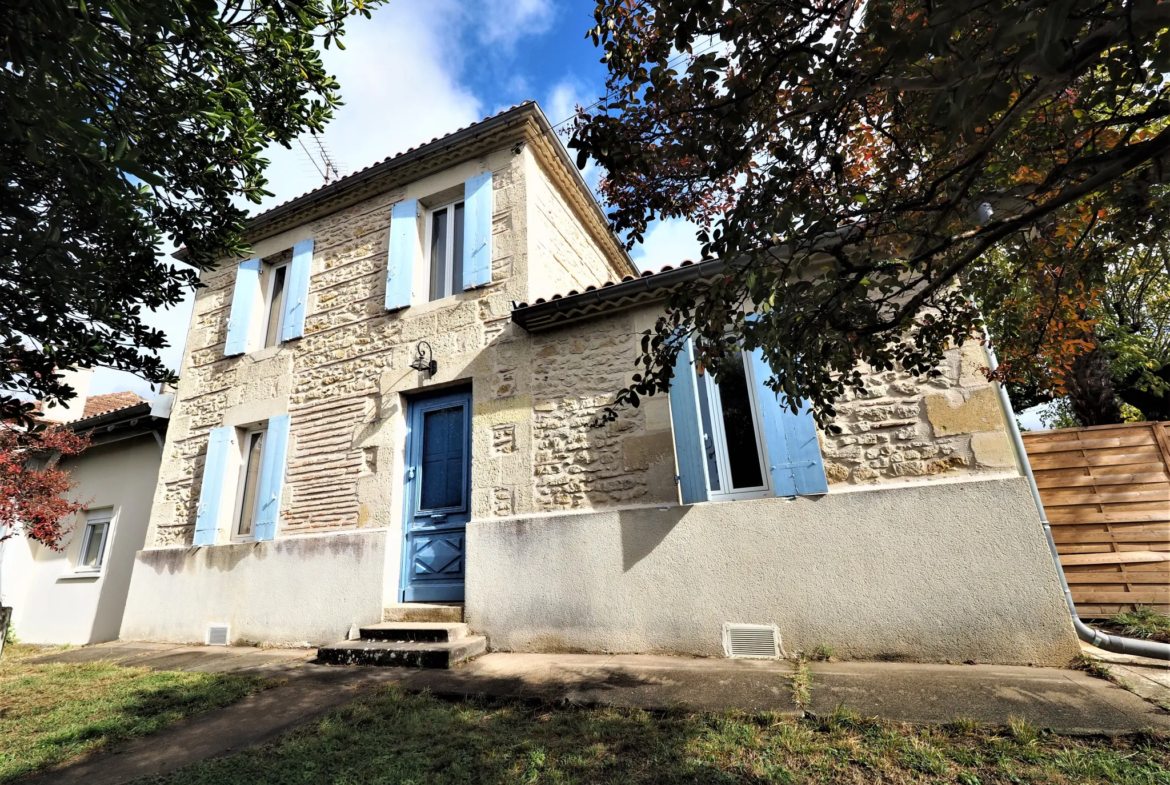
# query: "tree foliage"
[[33, 487], [855, 163], [123, 123], [1101, 348]]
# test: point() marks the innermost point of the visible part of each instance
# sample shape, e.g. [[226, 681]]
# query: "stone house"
[[390, 404]]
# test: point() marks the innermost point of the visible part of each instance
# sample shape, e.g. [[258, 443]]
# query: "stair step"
[[450, 612], [409, 654], [421, 631]]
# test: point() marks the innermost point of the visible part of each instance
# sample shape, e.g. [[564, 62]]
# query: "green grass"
[[394, 737], [1144, 622], [56, 713]]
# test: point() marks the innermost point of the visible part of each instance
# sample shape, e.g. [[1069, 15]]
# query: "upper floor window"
[[730, 413], [445, 249], [275, 293], [93, 540]]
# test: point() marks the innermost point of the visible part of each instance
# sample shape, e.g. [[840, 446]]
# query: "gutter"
[[1113, 643]]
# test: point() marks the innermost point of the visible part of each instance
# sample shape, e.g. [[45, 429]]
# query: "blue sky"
[[418, 70]]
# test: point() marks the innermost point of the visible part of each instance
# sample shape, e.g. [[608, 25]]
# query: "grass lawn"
[[53, 714], [392, 737]]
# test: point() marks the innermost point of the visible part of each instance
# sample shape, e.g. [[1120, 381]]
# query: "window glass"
[[446, 251], [93, 541], [743, 453], [708, 432], [275, 306], [442, 459], [457, 251], [254, 446], [439, 254]]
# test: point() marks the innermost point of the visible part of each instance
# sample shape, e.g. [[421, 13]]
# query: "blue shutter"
[[215, 469], [794, 453], [403, 241], [244, 302], [688, 435], [477, 231], [298, 291], [271, 477]]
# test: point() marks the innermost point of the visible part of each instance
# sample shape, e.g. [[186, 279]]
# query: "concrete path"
[[1066, 701], [1144, 676], [174, 657]]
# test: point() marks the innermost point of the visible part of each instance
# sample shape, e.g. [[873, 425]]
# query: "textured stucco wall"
[[53, 604], [291, 591], [936, 572]]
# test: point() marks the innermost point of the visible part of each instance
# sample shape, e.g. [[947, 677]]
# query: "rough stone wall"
[[575, 372], [569, 256], [909, 428]]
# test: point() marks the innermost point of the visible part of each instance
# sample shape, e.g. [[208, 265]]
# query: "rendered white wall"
[[939, 572], [304, 590], [53, 604]]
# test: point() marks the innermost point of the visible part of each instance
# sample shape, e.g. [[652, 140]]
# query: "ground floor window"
[[93, 540], [251, 461], [736, 456]]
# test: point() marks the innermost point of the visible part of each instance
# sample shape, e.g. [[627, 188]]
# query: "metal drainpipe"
[[1114, 643]]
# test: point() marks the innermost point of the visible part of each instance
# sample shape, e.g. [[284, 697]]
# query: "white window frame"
[[100, 515], [719, 435], [241, 477], [452, 287], [266, 311]]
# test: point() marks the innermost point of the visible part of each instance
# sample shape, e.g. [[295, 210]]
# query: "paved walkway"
[[1066, 701], [1148, 678]]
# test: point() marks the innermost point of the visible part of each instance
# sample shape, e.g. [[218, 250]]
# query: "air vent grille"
[[218, 634], [751, 641]]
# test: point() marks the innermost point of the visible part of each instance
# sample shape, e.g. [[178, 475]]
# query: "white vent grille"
[[218, 634], [751, 641]]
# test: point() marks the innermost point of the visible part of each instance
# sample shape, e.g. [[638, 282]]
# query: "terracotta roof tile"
[[591, 288], [101, 404]]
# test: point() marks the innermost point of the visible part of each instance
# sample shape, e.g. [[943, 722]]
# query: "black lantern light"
[[421, 363]]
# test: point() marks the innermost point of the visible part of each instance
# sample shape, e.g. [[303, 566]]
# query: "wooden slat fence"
[[1106, 491]]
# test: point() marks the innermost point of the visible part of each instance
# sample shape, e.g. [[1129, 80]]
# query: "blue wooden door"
[[438, 497]]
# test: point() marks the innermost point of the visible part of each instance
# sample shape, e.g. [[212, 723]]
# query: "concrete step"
[[450, 612], [403, 654], [420, 631]]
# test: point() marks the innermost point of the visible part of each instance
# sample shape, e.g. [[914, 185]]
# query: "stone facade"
[[343, 383], [909, 428]]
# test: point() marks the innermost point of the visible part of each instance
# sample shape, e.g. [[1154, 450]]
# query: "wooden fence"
[[1106, 491]]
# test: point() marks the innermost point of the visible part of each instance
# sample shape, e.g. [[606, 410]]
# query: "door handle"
[[439, 516]]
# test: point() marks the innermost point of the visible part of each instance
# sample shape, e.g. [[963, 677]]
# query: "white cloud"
[[399, 77], [506, 21], [667, 242]]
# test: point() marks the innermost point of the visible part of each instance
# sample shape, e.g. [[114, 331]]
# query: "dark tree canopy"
[[902, 141], [124, 123]]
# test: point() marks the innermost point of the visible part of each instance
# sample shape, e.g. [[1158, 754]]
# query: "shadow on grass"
[[55, 714], [396, 737]]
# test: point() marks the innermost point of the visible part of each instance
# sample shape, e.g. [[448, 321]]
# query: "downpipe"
[[1113, 643]]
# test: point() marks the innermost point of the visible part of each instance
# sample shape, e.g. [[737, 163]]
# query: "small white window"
[[93, 540], [737, 460], [247, 495], [445, 249], [275, 293]]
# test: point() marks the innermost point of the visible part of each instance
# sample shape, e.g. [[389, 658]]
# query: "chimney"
[[79, 379]]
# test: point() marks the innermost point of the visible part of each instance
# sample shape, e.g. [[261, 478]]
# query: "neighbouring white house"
[[77, 595], [389, 406]]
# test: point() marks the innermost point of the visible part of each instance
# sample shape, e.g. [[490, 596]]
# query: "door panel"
[[438, 496]]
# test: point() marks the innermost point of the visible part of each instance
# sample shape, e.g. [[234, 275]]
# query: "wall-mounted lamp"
[[421, 363]]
